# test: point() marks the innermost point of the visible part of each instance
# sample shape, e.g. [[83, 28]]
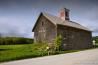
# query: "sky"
[[17, 17]]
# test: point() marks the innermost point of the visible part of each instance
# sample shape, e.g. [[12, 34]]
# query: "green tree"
[[58, 42]]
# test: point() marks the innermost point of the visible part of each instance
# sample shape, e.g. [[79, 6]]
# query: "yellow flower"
[[47, 48]]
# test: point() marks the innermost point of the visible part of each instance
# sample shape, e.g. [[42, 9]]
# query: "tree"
[[0, 35], [58, 42]]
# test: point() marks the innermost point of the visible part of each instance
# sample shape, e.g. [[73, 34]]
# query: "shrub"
[[58, 42], [14, 40]]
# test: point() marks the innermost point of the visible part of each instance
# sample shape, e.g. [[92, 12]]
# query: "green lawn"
[[14, 52], [22, 51]]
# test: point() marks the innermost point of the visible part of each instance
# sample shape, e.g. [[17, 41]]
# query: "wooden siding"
[[45, 31], [74, 38]]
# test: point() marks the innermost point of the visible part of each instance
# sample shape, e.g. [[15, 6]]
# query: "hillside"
[[14, 40]]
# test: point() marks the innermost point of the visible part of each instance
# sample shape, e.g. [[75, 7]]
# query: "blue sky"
[[17, 17]]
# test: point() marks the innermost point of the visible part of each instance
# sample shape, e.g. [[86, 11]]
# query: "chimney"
[[64, 14]]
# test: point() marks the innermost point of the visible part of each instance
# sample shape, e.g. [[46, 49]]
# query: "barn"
[[75, 36]]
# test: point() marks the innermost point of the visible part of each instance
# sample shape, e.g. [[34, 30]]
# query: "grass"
[[96, 46], [15, 52], [22, 51]]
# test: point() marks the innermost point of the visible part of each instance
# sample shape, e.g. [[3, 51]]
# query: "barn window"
[[42, 23]]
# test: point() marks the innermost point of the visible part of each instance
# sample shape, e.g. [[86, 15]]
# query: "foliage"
[[15, 52], [14, 40], [58, 41], [96, 41]]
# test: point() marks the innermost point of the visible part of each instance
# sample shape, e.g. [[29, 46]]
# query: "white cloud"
[[12, 26]]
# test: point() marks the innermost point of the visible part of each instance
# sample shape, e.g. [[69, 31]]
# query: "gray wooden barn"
[[75, 36]]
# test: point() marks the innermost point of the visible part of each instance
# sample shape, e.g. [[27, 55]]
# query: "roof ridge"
[[56, 20]]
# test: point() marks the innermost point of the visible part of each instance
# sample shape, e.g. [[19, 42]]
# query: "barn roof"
[[56, 20]]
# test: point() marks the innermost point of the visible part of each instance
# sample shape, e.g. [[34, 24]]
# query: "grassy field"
[[22, 51], [14, 52]]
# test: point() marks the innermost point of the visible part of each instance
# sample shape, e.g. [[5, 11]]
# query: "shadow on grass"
[[4, 49]]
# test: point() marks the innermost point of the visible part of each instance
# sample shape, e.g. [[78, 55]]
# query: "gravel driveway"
[[87, 57]]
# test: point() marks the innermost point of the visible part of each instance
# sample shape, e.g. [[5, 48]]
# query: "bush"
[[14, 40], [58, 42]]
